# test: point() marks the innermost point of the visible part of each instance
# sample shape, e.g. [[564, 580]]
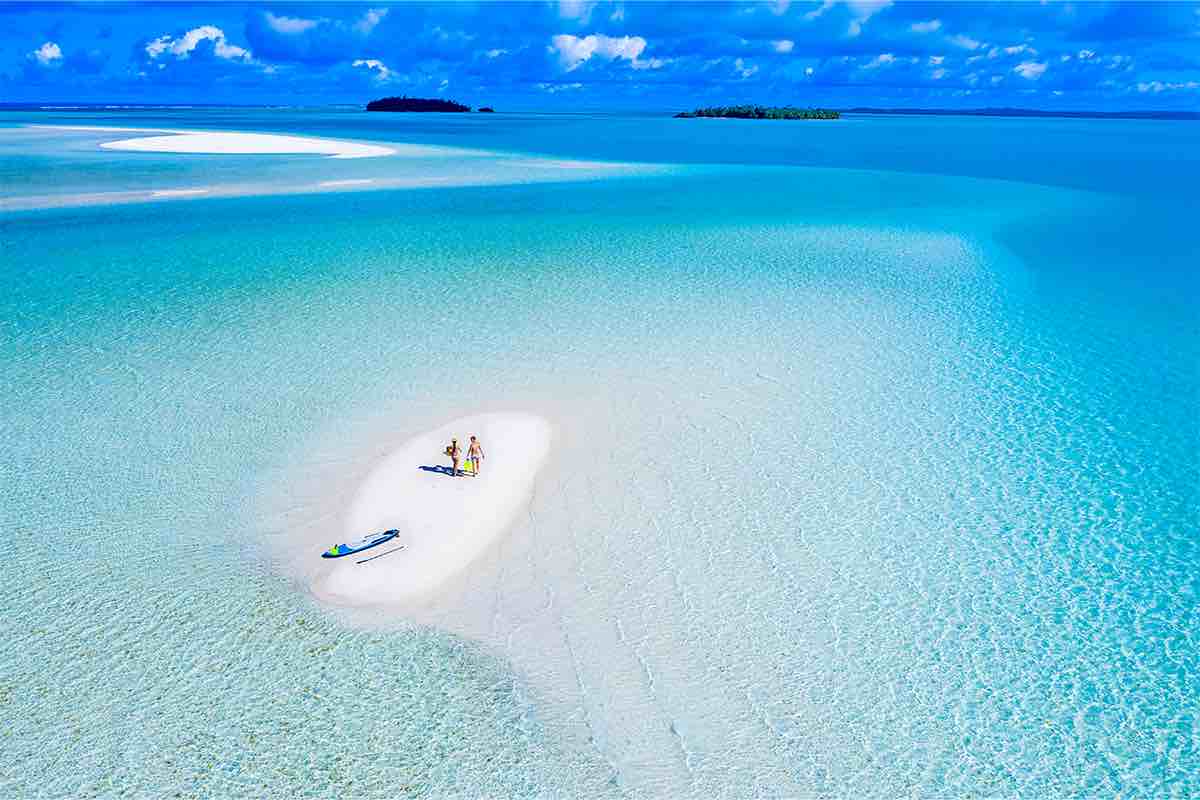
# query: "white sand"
[[247, 143], [446, 523]]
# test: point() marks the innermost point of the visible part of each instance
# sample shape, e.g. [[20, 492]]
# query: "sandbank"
[[226, 142], [445, 522]]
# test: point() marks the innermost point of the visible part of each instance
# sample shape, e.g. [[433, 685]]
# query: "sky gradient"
[[609, 55]]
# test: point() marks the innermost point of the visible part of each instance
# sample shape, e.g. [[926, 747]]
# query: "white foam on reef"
[[164, 193], [446, 522], [347, 182], [225, 142]]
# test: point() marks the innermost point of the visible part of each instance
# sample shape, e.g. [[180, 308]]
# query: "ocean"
[[877, 468]]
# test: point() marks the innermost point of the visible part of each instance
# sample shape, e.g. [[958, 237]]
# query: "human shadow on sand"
[[449, 473]]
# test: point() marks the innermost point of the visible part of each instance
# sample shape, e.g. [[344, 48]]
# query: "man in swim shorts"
[[475, 455]]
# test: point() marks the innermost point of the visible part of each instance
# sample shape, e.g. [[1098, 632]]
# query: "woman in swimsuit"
[[454, 451], [475, 455]]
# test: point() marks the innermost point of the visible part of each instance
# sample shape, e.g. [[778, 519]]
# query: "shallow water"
[[869, 482]]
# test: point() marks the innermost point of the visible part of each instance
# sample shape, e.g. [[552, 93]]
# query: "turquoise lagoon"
[[877, 470]]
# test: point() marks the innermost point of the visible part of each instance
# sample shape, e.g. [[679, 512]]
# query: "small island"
[[415, 104], [760, 112], [486, 110]]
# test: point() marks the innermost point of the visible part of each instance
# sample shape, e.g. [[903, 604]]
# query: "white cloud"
[[47, 55], [935, 60], [554, 88], [618, 14], [575, 50], [743, 68], [496, 52], [375, 67], [926, 27], [1030, 70], [880, 60], [808, 71], [816, 12], [576, 9], [938, 74], [780, 7], [369, 20], [782, 45], [1018, 48], [289, 25], [1159, 86], [965, 42], [1086, 55], [183, 47], [863, 10], [860, 11]]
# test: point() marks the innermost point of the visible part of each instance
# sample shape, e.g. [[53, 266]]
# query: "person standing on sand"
[[475, 455], [454, 451]]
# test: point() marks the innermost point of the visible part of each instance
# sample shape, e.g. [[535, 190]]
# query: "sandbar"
[[232, 143], [445, 522]]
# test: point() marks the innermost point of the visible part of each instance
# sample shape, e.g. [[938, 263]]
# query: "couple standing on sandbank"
[[474, 457]]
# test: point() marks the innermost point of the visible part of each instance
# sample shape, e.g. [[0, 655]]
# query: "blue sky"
[[618, 55]]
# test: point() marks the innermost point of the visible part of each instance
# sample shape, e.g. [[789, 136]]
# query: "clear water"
[[878, 468]]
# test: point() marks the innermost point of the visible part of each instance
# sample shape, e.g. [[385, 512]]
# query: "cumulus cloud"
[[1030, 70], [367, 22], [881, 60], [374, 66], [965, 42], [782, 45], [926, 27], [183, 46], [289, 25], [573, 51], [49, 54]]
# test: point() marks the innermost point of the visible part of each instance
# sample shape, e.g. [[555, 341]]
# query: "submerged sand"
[[445, 522]]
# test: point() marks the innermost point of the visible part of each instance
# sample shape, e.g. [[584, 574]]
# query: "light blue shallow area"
[[883, 442]]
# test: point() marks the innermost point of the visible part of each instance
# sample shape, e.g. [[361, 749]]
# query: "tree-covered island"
[[760, 112], [415, 104]]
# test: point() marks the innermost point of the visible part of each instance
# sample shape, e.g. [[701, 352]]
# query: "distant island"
[[760, 112], [415, 104], [486, 110]]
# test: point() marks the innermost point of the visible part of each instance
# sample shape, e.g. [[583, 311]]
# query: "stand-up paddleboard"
[[358, 545]]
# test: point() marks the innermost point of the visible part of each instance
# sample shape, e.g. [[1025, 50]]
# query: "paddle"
[[381, 555]]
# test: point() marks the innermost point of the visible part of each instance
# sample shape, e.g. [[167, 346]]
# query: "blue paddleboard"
[[358, 545]]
